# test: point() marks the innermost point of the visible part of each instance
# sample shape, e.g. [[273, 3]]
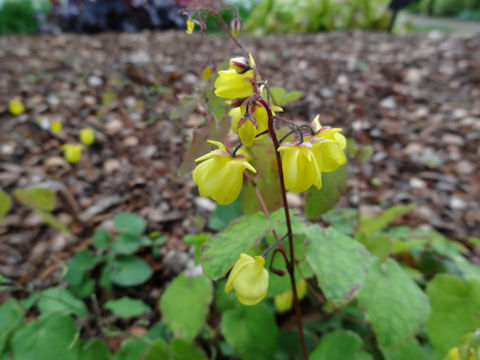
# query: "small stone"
[[389, 103], [453, 139], [412, 76], [130, 141], [205, 203], [94, 81], [457, 203], [465, 167], [112, 165], [113, 127], [417, 183]]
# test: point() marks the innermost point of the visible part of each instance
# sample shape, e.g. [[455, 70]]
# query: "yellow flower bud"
[[72, 152], [259, 114], [284, 301], [87, 136], [236, 26], [249, 279], [247, 131], [300, 168], [220, 176], [55, 126], [16, 107], [190, 26]]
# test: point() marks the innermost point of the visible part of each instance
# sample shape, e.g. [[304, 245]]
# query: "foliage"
[[290, 16], [20, 16]]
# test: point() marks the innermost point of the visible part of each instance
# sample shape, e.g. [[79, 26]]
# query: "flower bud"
[[72, 152], [247, 130], [284, 301], [237, 102], [249, 279], [190, 26], [206, 72], [236, 25], [87, 136], [240, 64]]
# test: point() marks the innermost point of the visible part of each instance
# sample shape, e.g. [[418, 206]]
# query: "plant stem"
[[291, 264]]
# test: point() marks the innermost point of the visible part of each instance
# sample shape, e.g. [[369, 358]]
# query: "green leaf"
[[251, 330], [199, 145], [184, 305], [79, 265], [126, 243], [126, 307], [224, 215], [340, 263], [11, 316], [130, 271], [40, 198], [159, 350], [379, 245], [59, 300], [222, 250], [455, 310], [101, 239], [371, 225], [105, 280], [410, 350], [94, 349], [393, 303], [132, 349], [319, 201], [5, 204], [184, 350], [129, 223], [292, 96], [264, 160], [46, 339], [340, 345], [224, 301], [84, 289]]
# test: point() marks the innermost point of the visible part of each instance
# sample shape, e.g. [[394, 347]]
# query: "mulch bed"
[[415, 99]]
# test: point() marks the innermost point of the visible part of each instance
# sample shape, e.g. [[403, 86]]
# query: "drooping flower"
[[247, 129], [220, 176], [230, 84], [190, 26], [300, 167], [328, 146], [87, 136], [72, 152], [15, 106], [284, 301], [236, 25], [249, 279]]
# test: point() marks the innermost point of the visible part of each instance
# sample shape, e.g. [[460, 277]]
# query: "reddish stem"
[[289, 264]]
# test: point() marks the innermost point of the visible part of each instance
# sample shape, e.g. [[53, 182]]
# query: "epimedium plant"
[[355, 288]]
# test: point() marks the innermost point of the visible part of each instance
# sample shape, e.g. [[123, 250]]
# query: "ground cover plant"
[[371, 290]]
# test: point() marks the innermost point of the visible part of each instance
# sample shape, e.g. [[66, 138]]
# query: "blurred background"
[[268, 16]]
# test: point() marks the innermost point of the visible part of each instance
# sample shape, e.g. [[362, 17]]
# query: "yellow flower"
[[72, 152], [87, 136], [16, 107], [55, 126], [454, 354], [190, 26], [249, 279], [231, 85], [328, 146], [300, 167], [220, 176], [247, 130], [284, 301]]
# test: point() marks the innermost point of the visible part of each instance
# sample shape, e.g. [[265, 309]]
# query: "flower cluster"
[[220, 172]]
